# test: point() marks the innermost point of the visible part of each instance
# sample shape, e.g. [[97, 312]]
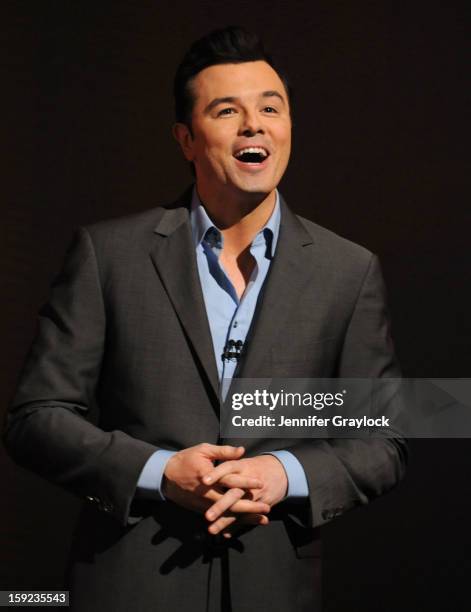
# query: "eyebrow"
[[231, 99]]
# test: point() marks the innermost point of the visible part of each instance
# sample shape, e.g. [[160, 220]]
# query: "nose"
[[251, 124]]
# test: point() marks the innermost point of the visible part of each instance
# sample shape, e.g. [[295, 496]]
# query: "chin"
[[254, 195], [256, 187]]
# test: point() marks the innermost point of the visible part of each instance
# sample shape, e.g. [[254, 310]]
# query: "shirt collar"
[[201, 223]]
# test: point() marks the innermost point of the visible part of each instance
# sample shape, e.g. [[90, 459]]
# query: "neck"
[[239, 219]]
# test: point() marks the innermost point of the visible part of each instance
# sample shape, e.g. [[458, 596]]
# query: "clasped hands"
[[237, 491]]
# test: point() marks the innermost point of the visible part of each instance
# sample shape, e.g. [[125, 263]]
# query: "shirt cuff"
[[297, 481], [149, 485]]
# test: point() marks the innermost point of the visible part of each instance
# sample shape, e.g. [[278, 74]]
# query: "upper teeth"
[[259, 150]]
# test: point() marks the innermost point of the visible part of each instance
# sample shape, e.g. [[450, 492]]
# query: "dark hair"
[[231, 45]]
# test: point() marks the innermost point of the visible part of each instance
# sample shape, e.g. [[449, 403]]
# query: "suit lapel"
[[287, 278], [175, 261]]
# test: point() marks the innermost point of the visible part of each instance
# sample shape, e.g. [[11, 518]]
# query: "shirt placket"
[[214, 243]]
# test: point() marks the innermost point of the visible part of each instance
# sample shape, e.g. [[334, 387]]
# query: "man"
[[119, 400]]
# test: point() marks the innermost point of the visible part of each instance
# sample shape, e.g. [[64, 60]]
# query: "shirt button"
[[235, 324]]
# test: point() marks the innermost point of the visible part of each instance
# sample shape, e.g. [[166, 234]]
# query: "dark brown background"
[[379, 156]]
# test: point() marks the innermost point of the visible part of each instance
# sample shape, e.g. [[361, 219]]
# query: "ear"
[[183, 136]]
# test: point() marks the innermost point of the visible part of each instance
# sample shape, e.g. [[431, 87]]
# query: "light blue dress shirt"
[[229, 318]]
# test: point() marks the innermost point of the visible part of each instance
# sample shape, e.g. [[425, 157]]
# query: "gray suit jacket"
[[123, 364]]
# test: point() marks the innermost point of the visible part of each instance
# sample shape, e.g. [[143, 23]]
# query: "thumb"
[[225, 452]]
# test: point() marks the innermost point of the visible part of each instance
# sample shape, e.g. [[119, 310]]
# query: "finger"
[[212, 494], [222, 524], [259, 519], [223, 453], [248, 506], [246, 510], [252, 505], [254, 519], [189, 500], [232, 501], [242, 482], [223, 469], [227, 500], [235, 528]]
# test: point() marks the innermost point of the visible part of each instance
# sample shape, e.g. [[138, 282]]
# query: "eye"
[[270, 109], [226, 111]]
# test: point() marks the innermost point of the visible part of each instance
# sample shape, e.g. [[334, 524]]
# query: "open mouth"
[[252, 155]]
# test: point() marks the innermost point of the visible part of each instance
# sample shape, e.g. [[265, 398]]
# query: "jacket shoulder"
[[334, 245], [127, 225]]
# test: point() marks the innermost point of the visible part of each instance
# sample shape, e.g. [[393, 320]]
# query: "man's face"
[[241, 128]]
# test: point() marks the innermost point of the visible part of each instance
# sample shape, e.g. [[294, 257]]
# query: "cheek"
[[212, 161], [206, 155], [216, 153], [283, 138], [285, 147], [287, 140]]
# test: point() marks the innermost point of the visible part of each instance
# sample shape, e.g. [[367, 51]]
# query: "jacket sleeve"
[[344, 473], [48, 427]]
